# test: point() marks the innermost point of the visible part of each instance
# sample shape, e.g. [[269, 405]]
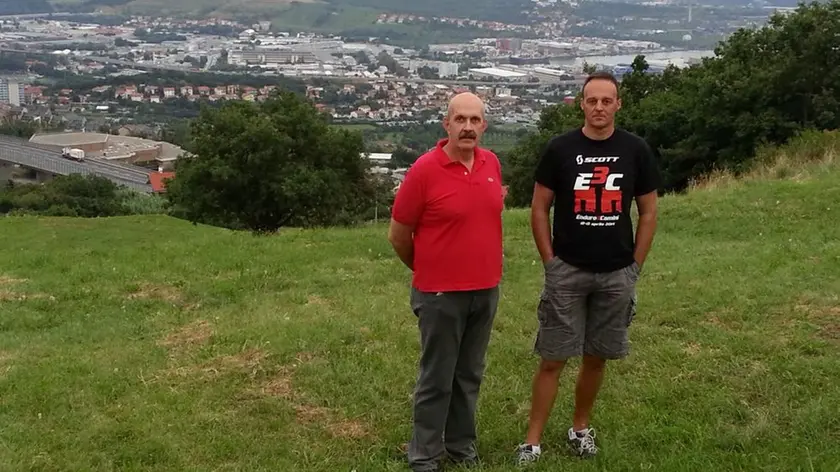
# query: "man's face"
[[600, 103], [465, 124]]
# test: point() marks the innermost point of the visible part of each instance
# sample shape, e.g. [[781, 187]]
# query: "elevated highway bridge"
[[46, 163]]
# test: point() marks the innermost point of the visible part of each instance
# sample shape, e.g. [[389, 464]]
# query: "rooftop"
[[158, 180], [115, 146], [497, 72]]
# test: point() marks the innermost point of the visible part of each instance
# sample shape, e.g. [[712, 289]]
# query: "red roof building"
[[158, 180]]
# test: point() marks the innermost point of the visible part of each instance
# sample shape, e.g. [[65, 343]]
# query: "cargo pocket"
[[631, 309], [560, 333], [633, 272]]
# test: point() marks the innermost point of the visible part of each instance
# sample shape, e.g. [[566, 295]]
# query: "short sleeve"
[[546, 171], [649, 177], [409, 200], [499, 176], [497, 163]]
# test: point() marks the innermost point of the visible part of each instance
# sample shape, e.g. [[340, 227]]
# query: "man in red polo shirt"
[[446, 227]]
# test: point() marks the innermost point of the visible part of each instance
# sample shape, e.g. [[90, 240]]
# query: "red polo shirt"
[[457, 220]]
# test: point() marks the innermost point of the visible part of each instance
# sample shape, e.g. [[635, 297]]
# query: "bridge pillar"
[[42, 177]]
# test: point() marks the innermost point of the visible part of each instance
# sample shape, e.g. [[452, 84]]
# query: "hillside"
[[147, 343], [310, 13], [18, 7]]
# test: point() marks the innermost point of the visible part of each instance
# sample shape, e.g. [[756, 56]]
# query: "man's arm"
[[540, 222], [409, 203], [646, 229], [649, 181], [401, 238]]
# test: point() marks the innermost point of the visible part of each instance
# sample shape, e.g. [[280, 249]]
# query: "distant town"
[[77, 74], [403, 82]]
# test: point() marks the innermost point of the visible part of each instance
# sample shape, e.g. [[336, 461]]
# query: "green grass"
[[147, 343]]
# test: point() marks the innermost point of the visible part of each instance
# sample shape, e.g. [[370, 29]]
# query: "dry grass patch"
[[336, 427], [5, 362], [196, 333], [824, 316], [7, 280], [316, 300], [10, 296], [796, 161], [281, 385], [150, 291], [248, 361], [5, 358], [713, 319], [692, 349]]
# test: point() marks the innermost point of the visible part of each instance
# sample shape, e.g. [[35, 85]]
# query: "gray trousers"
[[455, 330]]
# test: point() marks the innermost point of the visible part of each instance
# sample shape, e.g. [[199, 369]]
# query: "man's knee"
[[551, 367], [593, 363]]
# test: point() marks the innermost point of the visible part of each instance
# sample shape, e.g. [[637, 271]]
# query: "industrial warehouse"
[[123, 149], [40, 160]]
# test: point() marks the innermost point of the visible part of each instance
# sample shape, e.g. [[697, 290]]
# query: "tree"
[[404, 157], [523, 158], [264, 166]]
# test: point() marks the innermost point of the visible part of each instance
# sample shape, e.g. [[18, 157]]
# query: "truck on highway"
[[73, 153]]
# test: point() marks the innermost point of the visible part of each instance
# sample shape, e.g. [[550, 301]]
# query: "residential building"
[[12, 92]]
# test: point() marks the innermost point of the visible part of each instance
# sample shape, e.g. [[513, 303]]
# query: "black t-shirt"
[[594, 183]]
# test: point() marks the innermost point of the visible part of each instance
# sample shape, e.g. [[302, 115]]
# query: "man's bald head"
[[464, 122], [465, 100]]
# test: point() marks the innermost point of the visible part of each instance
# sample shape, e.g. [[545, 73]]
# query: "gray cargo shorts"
[[583, 312]]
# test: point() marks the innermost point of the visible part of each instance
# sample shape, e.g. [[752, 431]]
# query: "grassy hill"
[[332, 15], [356, 20], [147, 343]]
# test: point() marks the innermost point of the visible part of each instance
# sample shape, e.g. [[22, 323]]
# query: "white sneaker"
[[528, 453], [583, 442]]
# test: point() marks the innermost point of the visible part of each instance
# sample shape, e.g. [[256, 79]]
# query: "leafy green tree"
[[268, 165], [523, 158], [404, 157]]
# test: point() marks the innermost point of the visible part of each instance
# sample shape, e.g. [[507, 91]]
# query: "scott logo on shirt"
[[586, 197], [595, 160]]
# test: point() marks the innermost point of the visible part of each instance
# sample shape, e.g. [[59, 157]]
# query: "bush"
[[77, 195]]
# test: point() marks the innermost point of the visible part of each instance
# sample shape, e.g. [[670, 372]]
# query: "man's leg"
[[441, 319], [610, 312], [562, 316], [544, 393], [460, 432], [588, 384]]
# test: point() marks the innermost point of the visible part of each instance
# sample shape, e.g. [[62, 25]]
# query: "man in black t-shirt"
[[591, 175]]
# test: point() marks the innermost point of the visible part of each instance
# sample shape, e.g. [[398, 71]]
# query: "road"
[[22, 152]]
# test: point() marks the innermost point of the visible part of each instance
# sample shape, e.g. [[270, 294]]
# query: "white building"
[[12, 92], [498, 74]]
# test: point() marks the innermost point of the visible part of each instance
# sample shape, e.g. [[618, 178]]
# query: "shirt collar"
[[443, 157]]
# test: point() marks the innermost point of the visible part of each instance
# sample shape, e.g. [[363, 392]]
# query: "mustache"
[[468, 134]]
